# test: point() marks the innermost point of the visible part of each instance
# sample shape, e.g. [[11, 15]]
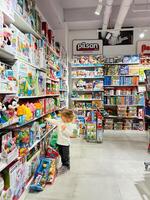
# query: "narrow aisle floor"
[[113, 170]]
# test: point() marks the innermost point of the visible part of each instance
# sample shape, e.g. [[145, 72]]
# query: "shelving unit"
[[32, 80], [147, 100], [86, 94], [123, 101]]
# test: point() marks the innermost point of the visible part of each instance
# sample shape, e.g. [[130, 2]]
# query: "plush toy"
[[7, 34], [23, 110], [32, 107], [20, 110], [3, 116], [11, 106], [38, 106]]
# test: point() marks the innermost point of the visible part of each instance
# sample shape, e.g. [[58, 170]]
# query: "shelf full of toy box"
[[123, 124], [15, 156], [96, 77], [86, 65], [40, 96], [124, 116], [26, 165]]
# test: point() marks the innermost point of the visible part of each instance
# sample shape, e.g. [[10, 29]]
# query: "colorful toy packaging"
[[15, 179], [88, 60], [9, 149], [41, 175], [8, 79]]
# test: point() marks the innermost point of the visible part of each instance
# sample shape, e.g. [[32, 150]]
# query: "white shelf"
[[7, 54], [40, 96], [86, 109], [120, 95], [121, 117], [6, 125], [88, 77], [87, 65], [120, 85], [29, 63], [121, 63], [121, 75], [8, 93], [136, 105], [74, 99], [7, 18], [88, 90], [24, 26], [4, 165]]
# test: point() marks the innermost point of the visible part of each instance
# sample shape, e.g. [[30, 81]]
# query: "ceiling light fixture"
[[99, 8], [141, 35]]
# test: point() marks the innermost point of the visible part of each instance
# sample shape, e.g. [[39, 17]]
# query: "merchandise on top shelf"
[[8, 108], [15, 179], [9, 149], [7, 78], [27, 10], [88, 60], [128, 59], [86, 73]]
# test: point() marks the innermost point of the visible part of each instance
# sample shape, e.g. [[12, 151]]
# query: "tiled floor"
[[113, 170]]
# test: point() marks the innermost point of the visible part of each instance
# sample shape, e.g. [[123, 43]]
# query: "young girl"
[[65, 130]]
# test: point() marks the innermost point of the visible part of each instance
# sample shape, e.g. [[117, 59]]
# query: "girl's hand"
[[63, 127]]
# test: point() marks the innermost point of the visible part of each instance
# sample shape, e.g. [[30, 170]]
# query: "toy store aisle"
[[113, 170]]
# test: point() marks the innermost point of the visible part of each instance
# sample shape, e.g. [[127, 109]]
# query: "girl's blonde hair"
[[67, 113]]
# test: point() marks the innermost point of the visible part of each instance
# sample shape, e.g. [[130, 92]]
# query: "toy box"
[[14, 178], [41, 175], [9, 150]]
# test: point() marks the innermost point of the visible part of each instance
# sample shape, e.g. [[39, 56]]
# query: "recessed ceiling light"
[[141, 35], [98, 9]]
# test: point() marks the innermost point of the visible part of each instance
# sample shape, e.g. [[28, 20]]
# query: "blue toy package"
[[107, 80], [127, 59], [41, 175], [141, 99], [135, 59], [124, 70]]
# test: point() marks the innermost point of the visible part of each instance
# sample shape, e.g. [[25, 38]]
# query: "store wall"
[[107, 50]]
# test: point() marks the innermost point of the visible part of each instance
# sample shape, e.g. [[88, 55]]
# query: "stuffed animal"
[[11, 106], [7, 34], [3, 116]]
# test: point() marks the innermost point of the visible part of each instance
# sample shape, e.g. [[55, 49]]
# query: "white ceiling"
[[79, 14]]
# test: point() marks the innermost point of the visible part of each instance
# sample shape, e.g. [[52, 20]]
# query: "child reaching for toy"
[[65, 130]]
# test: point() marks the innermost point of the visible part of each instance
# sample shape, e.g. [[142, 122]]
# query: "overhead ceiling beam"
[[124, 8], [107, 14]]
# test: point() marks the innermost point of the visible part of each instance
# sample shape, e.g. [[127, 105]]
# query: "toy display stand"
[[98, 135]]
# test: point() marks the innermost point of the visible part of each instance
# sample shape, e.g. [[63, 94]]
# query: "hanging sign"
[[87, 47], [143, 47]]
